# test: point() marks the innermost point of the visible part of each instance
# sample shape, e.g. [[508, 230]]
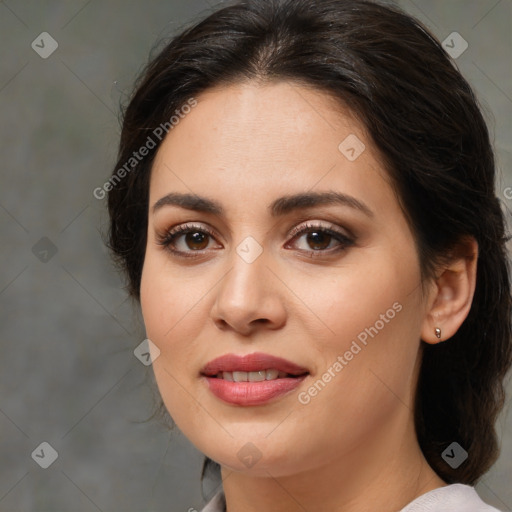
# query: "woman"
[[304, 207]]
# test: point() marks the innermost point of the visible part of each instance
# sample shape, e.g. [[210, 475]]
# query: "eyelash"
[[167, 239]]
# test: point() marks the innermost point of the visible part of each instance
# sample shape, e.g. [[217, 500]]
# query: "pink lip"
[[251, 363], [251, 393]]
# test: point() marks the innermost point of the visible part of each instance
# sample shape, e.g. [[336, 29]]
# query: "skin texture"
[[353, 446]]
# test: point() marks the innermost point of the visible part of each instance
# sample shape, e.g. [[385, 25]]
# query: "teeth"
[[259, 376], [271, 374], [240, 376], [256, 376]]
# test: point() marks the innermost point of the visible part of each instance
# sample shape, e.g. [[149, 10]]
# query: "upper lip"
[[251, 363]]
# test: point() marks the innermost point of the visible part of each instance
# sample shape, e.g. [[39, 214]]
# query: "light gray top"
[[451, 498]]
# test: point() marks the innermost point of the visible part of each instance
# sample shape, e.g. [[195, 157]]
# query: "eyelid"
[[180, 229], [291, 234], [318, 225], [189, 226]]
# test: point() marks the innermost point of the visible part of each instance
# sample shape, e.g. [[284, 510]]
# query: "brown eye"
[[196, 240], [186, 240], [318, 239]]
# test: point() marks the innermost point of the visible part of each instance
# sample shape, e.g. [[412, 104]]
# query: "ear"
[[452, 293]]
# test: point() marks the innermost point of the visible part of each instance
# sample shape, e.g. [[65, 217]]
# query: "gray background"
[[68, 375]]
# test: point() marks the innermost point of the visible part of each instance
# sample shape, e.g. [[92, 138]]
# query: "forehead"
[[251, 141]]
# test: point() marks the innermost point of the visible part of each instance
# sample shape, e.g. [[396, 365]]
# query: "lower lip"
[[252, 393]]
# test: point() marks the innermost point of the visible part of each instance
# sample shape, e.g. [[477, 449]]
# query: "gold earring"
[[438, 332]]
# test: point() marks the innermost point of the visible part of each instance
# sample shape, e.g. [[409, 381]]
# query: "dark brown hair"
[[423, 117]]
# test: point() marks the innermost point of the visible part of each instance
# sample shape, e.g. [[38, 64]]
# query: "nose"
[[249, 297]]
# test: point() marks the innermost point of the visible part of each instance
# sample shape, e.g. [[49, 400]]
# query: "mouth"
[[252, 379]]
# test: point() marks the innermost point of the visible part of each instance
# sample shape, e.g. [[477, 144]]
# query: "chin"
[[256, 459]]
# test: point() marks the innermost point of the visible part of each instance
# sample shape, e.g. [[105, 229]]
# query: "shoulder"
[[216, 504], [450, 498]]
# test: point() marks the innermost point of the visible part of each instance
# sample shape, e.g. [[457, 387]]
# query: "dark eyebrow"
[[279, 207]]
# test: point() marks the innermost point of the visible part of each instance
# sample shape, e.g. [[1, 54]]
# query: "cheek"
[[154, 303], [169, 299], [368, 338], [174, 317], [162, 311], [358, 301], [163, 304]]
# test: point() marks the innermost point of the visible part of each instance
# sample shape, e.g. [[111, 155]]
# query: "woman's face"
[[333, 287]]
